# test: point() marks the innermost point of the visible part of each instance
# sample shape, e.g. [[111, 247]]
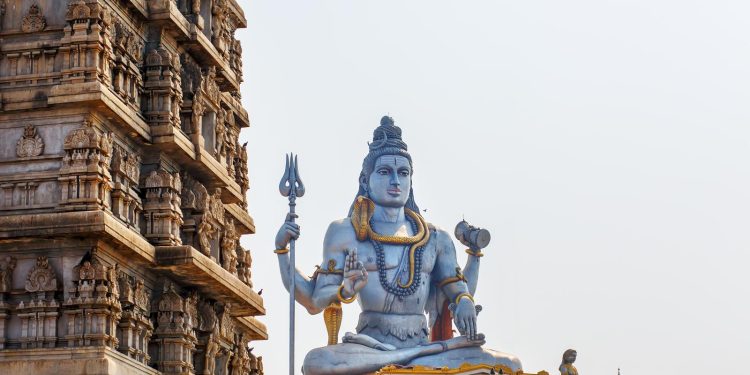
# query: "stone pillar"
[[39, 316], [126, 171], [85, 46], [84, 175], [7, 266], [93, 307], [135, 325], [174, 338], [163, 91], [161, 209]]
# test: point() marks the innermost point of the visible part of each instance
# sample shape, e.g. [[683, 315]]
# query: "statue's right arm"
[[314, 294]]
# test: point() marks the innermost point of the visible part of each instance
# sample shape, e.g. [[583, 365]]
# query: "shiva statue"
[[398, 267], [566, 367]]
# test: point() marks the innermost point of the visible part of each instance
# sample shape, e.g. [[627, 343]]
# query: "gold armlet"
[[341, 296], [281, 251], [459, 277], [463, 295], [477, 254]]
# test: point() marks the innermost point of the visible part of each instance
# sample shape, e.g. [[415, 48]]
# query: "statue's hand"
[[355, 274], [288, 231], [465, 318]]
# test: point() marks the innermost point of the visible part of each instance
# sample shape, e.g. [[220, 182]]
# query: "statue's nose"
[[394, 180]]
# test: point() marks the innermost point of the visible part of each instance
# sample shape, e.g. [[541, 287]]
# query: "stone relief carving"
[[30, 144], [163, 88], [174, 333], [161, 207], [2, 13], [141, 297], [217, 207], [77, 9], [126, 170], [94, 303], [229, 247], [212, 88], [194, 194], [244, 266], [33, 21], [206, 232], [127, 55], [39, 315], [41, 278], [84, 174], [220, 130], [6, 275], [226, 324], [135, 325]]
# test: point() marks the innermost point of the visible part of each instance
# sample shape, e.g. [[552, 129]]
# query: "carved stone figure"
[[220, 132], [6, 275], [33, 21], [30, 144], [566, 367], [206, 232], [229, 248], [391, 256]]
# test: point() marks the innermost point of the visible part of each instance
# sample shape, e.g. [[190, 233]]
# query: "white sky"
[[603, 143]]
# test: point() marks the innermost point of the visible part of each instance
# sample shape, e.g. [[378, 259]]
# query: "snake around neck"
[[361, 217]]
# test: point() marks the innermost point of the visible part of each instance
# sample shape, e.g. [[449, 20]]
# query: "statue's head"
[[569, 356], [387, 169]]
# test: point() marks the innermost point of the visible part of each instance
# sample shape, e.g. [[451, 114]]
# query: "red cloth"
[[443, 327]]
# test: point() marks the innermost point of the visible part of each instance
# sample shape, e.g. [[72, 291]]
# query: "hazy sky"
[[605, 145]]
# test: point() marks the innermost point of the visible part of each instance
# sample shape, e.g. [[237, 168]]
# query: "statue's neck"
[[388, 214]]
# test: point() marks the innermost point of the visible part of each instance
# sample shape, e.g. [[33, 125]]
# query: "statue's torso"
[[373, 297]]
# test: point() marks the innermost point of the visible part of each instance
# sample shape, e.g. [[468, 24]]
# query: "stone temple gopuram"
[[122, 189]]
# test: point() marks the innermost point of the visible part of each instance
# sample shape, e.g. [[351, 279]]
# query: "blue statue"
[[399, 267]]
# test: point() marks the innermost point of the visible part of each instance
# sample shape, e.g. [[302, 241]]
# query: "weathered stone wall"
[[122, 189]]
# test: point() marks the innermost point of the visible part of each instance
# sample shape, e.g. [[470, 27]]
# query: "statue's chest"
[[395, 256]]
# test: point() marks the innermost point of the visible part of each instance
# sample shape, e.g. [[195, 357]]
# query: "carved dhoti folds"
[[399, 330]]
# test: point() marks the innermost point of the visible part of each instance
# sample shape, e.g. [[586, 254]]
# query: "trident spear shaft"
[[291, 186]]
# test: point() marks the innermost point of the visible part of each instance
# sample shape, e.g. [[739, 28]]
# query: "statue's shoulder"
[[439, 233], [340, 235]]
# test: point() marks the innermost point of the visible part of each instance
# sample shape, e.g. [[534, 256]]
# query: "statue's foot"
[[362, 339], [463, 342]]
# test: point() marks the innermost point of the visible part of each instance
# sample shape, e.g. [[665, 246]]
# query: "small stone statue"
[[566, 367]]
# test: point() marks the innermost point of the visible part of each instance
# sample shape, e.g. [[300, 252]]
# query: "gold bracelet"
[[281, 251], [477, 254], [463, 295], [341, 296]]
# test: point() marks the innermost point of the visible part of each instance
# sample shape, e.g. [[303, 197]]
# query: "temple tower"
[[123, 189]]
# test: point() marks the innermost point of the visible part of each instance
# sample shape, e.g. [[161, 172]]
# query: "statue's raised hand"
[[355, 274], [465, 318], [288, 231]]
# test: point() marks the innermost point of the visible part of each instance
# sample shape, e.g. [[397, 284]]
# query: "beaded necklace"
[[415, 277]]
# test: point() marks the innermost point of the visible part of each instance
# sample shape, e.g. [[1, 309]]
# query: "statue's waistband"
[[402, 326]]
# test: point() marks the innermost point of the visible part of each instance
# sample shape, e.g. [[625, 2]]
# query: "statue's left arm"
[[447, 275]]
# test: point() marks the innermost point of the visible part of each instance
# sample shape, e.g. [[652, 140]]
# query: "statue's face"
[[390, 181], [572, 357]]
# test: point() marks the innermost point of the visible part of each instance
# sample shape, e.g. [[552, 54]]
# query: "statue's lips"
[[394, 191]]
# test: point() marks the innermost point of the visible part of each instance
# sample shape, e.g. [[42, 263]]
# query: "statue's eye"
[[383, 172], [404, 172]]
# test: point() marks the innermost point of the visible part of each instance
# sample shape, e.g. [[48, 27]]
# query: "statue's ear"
[[363, 182]]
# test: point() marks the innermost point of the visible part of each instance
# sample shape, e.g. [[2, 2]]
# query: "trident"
[[291, 186]]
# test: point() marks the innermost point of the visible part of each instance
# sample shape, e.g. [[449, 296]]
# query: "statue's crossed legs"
[[362, 354]]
